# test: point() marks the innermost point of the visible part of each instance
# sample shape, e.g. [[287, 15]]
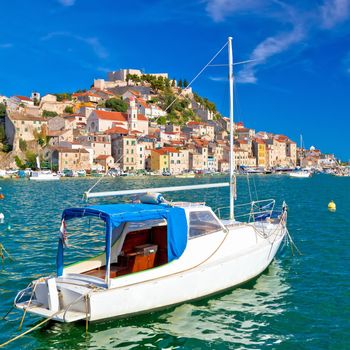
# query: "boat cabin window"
[[85, 239], [202, 223]]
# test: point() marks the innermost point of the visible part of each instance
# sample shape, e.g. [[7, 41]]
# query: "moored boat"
[[154, 253], [44, 175], [300, 173]]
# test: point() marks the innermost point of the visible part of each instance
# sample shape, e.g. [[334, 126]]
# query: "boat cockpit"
[[141, 245]]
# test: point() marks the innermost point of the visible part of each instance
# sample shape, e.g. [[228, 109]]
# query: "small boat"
[[300, 173], [81, 173], [154, 253], [186, 176], [43, 175]]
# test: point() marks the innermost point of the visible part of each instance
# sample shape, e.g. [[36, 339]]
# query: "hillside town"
[[137, 123]]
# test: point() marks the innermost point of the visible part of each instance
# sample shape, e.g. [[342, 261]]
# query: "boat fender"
[[152, 198], [332, 206]]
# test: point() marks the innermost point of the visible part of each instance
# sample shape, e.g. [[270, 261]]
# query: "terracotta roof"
[[170, 149], [117, 130], [54, 133], [142, 117], [243, 130], [193, 123], [160, 151], [117, 116], [24, 98], [170, 132], [103, 156], [142, 103]]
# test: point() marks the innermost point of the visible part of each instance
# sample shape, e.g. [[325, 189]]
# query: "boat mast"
[[232, 158], [301, 150]]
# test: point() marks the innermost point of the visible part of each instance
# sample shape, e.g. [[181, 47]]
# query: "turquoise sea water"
[[300, 302]]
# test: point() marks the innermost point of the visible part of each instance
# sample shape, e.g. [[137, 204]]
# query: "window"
[[202, 223]]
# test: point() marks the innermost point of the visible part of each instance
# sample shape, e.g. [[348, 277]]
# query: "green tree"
[[2, 110], [179, 83], [22, 145], [49, 114], [2, 133], [117, 105], [173, 83], [161, 120], [31, 159], [185, 83], [69, 110], [7, 147], [63, 96], [19, 163]]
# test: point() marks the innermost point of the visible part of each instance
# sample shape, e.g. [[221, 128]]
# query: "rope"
[[181, 93], [39, 324], [195, 78], [248, 182], [29, 302]]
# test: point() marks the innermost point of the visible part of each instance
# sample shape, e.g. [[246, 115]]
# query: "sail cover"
[[115, 214]]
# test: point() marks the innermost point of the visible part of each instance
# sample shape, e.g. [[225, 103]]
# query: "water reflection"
[[244, 318]]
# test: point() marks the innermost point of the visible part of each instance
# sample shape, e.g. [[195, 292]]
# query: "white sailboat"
[[43, 175], [156, 254], [300, 172]]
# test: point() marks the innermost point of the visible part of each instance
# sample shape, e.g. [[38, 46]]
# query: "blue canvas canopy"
[[115, 214]]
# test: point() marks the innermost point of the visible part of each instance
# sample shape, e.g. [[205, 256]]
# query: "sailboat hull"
[[191, 285], [226, 260]]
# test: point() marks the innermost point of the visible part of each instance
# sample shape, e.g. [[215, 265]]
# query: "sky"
[[298, 82]]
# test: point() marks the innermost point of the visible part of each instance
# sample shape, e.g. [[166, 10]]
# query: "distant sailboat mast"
[[38, 162], [232, 158]]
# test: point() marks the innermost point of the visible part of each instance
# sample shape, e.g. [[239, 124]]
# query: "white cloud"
[[93, 42], [334, 12], [219, 9], [270, 47], [67, 2], [218, 79], [305, 23]]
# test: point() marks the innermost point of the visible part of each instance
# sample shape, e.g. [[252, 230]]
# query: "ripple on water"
[[298, 303]]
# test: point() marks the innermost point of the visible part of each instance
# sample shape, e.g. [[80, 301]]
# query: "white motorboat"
[[154, 253], [43, 175], [301, 173]]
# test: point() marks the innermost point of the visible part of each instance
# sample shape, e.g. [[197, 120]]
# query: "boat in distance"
[[154, 253], [43, 175], [300, 173]]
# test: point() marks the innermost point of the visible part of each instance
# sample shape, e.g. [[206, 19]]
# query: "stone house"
[[49, 103], [23, 126], [69, 158], [126, 153], [105, 161], [57, 136], [100, 121], [159, 160]]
